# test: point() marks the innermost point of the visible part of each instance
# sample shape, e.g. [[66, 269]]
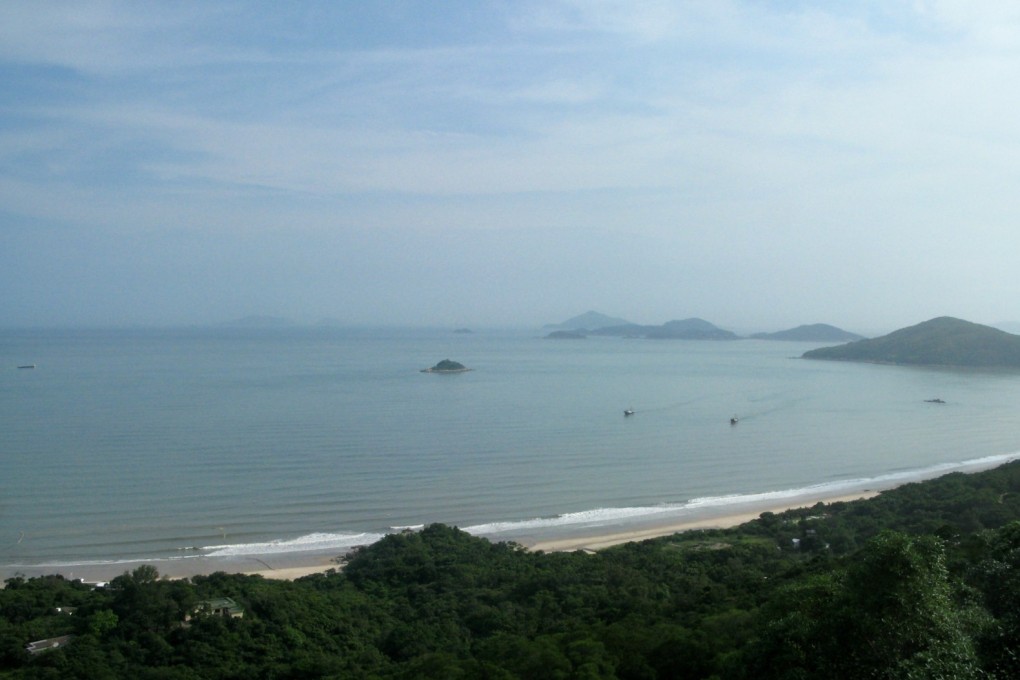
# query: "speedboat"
[[628, 412]]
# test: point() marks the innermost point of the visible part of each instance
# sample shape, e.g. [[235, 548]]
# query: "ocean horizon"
[[226, 447]]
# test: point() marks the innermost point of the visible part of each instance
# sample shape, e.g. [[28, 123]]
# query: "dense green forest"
[[919, 582]]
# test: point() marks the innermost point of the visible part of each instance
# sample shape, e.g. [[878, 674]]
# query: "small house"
[[220, 606], [48, 644]]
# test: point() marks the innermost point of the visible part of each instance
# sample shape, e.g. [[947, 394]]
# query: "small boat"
[[733, 420], [628, 412], [27, 366], [936, 400]]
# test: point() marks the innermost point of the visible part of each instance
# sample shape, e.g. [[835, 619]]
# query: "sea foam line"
[[306, 543], [598, 517]]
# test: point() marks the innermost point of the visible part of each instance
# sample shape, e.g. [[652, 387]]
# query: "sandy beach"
[[593, 543], [291, 573], [598, 542]]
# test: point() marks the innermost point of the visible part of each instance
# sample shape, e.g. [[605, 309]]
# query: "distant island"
[[816, 332], [566, 335], [594, 323], [685, 329], [586, 321], [446, 366], [943, 341]]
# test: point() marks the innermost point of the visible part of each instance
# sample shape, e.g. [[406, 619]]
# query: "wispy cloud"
[[773, 126]]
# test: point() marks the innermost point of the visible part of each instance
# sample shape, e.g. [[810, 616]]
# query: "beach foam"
[[593, 522], [309, 543], [718, 505]]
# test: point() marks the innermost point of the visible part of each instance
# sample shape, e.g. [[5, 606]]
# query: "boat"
[[936, 400], [27, 366], [733, 420], [628, 412]]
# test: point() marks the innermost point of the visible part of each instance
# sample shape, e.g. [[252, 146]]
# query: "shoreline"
[[296, 565], [733, 519], [293, 565], [593, 543]]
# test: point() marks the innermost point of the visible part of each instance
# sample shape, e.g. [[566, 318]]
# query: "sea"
[[206, 449]]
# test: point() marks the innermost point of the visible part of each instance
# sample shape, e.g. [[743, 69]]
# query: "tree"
[[102, 622], [888, 614]]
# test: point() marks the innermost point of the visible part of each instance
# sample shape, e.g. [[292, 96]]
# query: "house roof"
[[48, 643], [221, 603]]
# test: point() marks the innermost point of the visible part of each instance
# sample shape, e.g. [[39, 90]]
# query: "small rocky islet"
[[447, 366]]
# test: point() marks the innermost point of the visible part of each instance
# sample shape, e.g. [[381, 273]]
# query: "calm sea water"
[[232, 444]]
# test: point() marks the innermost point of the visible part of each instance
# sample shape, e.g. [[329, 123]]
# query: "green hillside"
[[943, 341]]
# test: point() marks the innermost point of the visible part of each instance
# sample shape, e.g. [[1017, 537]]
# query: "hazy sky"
[[757, 164]]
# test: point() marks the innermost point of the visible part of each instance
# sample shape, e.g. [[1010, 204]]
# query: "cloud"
[[426, 121], [993, 24], [106, 38], [785, 140]]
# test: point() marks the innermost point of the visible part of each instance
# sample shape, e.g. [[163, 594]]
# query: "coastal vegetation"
[[943, 341], [922, 581]]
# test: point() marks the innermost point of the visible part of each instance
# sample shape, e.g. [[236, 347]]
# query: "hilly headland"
[[943, 341]]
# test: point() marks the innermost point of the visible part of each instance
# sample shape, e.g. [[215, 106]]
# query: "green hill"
[[943, 341]]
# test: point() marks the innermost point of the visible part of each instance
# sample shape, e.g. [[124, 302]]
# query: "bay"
[[170, 444]]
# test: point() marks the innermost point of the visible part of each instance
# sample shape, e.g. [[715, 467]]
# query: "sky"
[[758, 164]]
